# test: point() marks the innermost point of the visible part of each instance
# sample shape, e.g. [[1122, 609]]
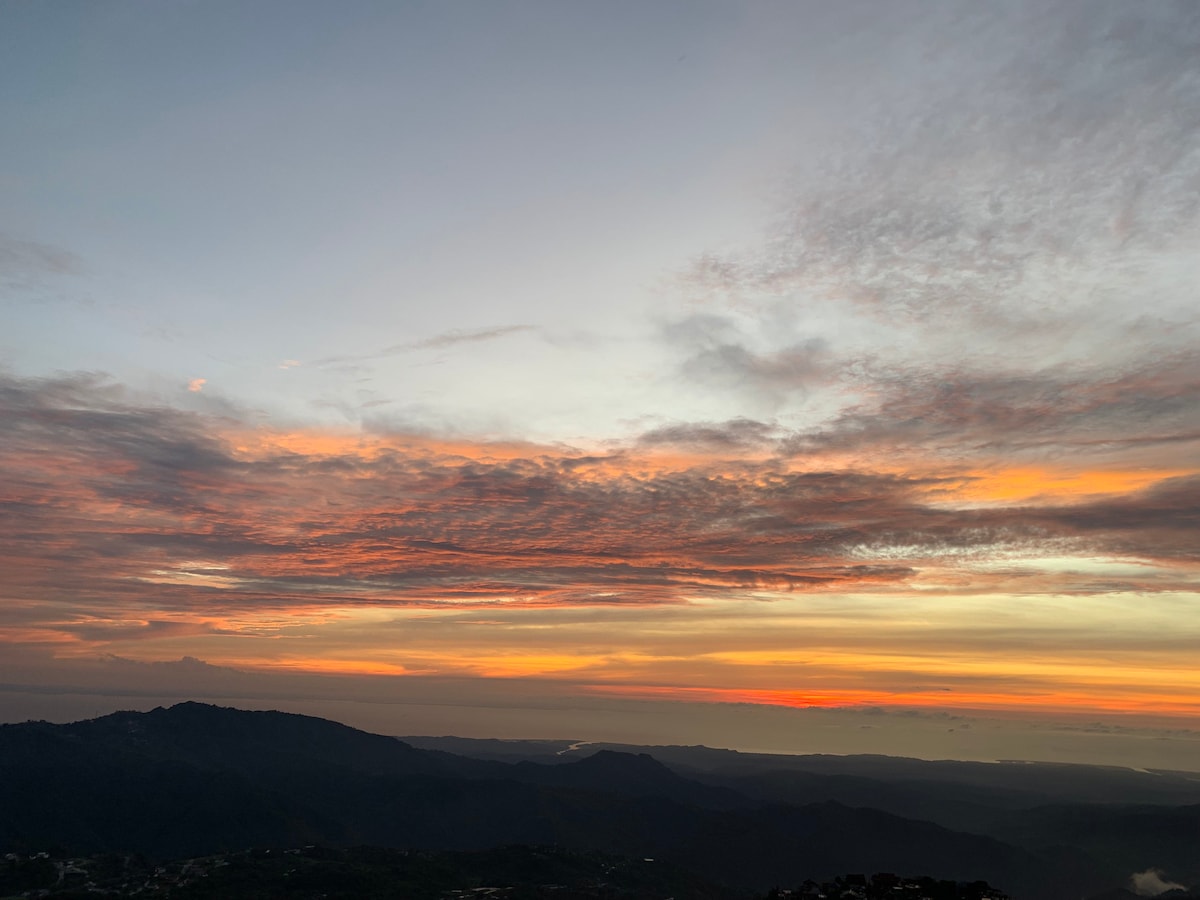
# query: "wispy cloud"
[[1028, 215], [1070, 134], [29, 268], [441, 341], [18, 255], [460, 336]]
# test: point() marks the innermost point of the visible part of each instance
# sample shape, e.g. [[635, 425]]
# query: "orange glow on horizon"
[[1013, 701]]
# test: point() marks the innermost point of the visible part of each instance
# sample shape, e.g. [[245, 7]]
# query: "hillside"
[[195, 780]]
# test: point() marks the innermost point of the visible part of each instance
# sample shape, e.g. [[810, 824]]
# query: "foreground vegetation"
[[364, 873]]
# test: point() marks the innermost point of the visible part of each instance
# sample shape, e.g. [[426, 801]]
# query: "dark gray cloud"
[[1144, 413], [719, 354], [736, 434], [1158, 522]]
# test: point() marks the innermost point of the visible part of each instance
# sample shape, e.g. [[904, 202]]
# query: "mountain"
[[1103, 822], [1133, 838], [639, 775], [1005, 785], [250, 743], [195, 779]]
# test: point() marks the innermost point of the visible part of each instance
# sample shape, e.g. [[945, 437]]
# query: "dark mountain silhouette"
[[639, 775], [1009, 784], [1131, 838], [197, 779], [212, 737], [501, 750]]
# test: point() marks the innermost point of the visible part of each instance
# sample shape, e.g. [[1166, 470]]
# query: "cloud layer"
[[130, 525]]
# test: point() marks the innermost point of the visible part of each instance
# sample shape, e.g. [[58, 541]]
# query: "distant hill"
[[195, 779], [1124, 820], [1009, 784]]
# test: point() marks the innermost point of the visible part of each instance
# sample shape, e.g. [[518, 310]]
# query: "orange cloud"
[[160, 532], [1062, 484]]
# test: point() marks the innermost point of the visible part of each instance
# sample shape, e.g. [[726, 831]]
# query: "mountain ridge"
[[193, 779]]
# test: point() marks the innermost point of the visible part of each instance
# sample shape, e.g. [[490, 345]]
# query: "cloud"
[[135, 494], [28, 268], [1138, 413], [107, 630], [736, 434], [441, 341], [720, 354], [196, 385], [1152, 882], [134, 528], [1035, 150], [1034, 207], [460, 336], [24, 257], [110, 497]]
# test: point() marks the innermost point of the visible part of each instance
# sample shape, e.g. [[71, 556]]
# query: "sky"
[[800, 377]]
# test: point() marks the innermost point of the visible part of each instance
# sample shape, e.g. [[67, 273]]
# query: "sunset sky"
[[784, 376]]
